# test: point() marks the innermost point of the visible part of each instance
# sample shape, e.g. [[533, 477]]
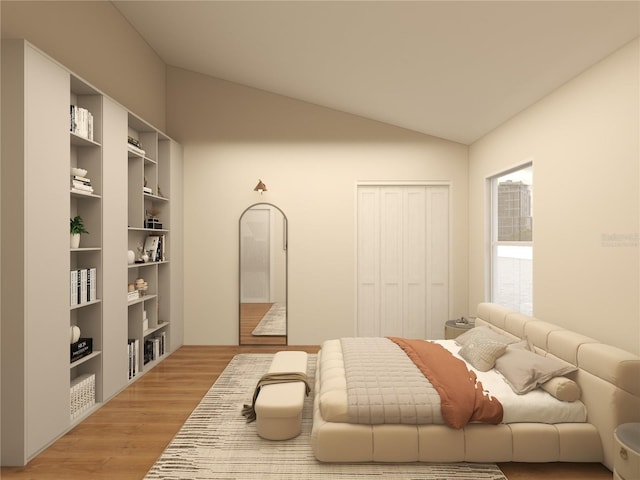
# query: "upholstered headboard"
[[608, 376]]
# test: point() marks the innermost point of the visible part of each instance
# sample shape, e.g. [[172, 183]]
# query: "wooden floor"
[[122, 440], [250, 316]]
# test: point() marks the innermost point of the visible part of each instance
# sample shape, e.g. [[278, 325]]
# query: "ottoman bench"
[[278, 406]]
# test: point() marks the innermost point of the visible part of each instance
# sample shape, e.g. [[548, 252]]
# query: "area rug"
[[216, 442], [273, 323]]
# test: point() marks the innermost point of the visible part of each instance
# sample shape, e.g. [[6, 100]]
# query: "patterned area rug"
[[273, 323], [216, 442]]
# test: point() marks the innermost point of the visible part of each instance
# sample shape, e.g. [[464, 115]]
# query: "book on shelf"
[[133, 141], [78, 185], [81, 122], [83, 285], [155, 247], [154, 347], [81, 192], [92, 290], [151, 245], [134, 145], [74, 287], [82, 394], [133, 349], [133, 295], [78, 178], [80, 349]]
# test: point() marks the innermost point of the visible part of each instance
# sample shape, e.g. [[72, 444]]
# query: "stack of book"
[[154, 347], [134, 146], [83, 286], [82, 394], [80, 349], [134, 352], [81, 184], [81, 122]]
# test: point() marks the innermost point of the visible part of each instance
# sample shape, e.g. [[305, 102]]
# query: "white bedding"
[[536, 406]]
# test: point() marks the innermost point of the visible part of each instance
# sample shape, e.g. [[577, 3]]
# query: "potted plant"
[[77, 227]]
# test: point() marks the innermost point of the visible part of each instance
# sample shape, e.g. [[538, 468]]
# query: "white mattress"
[[536, 406]]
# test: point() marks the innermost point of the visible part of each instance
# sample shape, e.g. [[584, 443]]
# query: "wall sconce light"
[[260, 187]]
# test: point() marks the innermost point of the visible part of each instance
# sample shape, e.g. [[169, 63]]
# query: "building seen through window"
[[511, 265]]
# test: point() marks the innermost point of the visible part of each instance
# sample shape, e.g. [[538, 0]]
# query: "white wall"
[[94, 41], [311, 159], [584, 143]]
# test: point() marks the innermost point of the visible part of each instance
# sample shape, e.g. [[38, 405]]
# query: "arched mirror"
[[263, 275]]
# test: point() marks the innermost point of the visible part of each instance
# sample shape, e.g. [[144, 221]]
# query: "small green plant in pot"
[[77, 227]]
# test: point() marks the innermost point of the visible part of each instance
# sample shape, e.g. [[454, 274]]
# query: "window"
[[511, 239]]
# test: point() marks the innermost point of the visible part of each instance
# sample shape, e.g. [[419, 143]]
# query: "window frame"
[[492, 242]]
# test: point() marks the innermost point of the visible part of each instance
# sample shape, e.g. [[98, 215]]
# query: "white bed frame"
[[608, 377]]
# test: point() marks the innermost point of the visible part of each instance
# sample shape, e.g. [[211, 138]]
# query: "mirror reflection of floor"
[[250, 316]]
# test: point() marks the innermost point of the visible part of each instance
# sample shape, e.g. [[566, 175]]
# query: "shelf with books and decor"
[[149, 206], [68, 143], [85, 318]]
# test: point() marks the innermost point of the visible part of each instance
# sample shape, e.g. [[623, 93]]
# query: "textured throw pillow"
[[483, 334], [562, 388], [483, 355], [525, 370]]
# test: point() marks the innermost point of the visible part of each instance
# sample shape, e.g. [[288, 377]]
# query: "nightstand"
[[452, 328], [626, 464]]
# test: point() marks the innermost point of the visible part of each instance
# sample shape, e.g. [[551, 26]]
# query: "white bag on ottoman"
[[278, 406]]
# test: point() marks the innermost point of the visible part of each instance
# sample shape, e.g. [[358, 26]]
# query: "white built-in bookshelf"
[[149, 185], [85, 261], [64, 165]]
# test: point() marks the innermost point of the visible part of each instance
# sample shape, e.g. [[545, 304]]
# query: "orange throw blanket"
[[461, 395]]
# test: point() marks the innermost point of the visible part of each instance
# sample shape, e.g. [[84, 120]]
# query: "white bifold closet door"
[[403, 261]]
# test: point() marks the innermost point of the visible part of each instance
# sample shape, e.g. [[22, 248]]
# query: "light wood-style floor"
[[122, 440], [250, 316]]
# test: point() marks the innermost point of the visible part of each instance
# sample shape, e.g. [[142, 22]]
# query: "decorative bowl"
[[79, 172]]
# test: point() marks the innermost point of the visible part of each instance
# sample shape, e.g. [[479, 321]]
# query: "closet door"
[[403, 258]]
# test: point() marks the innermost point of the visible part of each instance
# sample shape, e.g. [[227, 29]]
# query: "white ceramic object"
[[75, 333], [79, 172]]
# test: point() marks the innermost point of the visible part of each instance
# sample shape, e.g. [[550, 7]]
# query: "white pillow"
[[483, 355], [525, 370], [562, 388], [483, 334]]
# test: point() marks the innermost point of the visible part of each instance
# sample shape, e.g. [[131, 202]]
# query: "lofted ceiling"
[[452, 69]]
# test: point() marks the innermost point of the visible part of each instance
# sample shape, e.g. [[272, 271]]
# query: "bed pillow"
[[525, 370], [562, 388], [482, 355], [483, 334]]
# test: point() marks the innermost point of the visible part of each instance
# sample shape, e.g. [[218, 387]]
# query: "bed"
[[606, 378]]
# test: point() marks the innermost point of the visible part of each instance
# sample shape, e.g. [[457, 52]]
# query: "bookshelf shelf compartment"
[[85, 304], [92, 355], [86, 249], [153, 330], [85, 195], [80, 141], [144, 298], [153, 197], [147, 264]]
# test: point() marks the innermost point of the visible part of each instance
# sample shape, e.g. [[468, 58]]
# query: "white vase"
[[75, 240], [74, 334], [131, 257]]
